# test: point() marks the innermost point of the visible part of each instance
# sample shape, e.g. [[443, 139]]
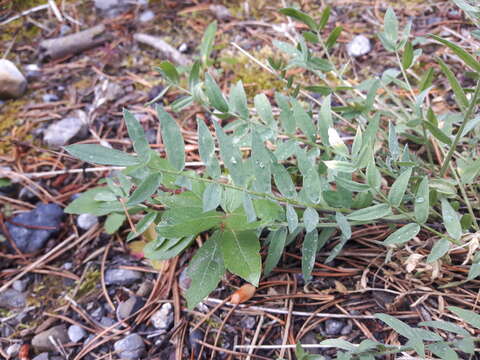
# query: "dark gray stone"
[[12, 299], [129, 307], [28, 239], [42, 356], [334, 326], [121, 276], [130, 347], [41, 341]]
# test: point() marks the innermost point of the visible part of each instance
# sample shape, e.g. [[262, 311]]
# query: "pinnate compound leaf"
[[103, 155], [136, 134], [309, 251], [402, 235], [422, 201], [205, 270], [397, 191], [370, 213], [172, 139], [241, 254], [145, 190], [276, 245], [310, 219], [468, 316], [451, 220]]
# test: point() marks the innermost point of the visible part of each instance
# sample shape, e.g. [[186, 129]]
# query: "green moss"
[[89, 283]]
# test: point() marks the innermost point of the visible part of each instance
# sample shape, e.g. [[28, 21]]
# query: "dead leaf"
[[243, 294]]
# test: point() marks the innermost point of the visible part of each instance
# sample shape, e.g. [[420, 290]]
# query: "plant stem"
[[458, 136]]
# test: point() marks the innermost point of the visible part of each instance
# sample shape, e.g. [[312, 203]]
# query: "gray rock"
[[129, 307], [107, 322], [220, 12], [41, 341], [21, 285], [334, 326], [29, 239], [111, 8], [347, 329], [42, 356], [12, 82], [12, 299], [146, 16], [121, 276], [360, 45], [61, 132], [130, 347], [76, 333], [86, 221], [13, 350], [163, 318]]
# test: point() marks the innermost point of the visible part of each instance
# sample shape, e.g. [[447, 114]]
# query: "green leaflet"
[[206, 45], [292, 218], [310, 219], [276, 243], [136, 134], [180, 222], [205, 270], [303, 120], [231, 156], [343, 224], [172, 139], [164, 249], [103, 155], [468, 316], [145, 190], [309, 251], [264, 109], [238, 100], [142, 225], [402, 235], [397, 191], [370, 213], [261, 161], [422, 201], [86, 204], [206, 148], [440, 248], [211, 197], [283, 181], [113, 222], [451, 220], [312, 185], [215, 95], [241, 254]]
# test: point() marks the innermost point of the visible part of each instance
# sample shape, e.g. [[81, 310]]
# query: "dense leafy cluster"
[[322, 181]]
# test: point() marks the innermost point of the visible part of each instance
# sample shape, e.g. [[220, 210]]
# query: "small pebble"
[[13, 349], [42, 342], [107, 322], [333, 326], [12, 299], [129, 307], [183, 48], [12, 82], [76, 333], [61, 132], [122, 276], [360, 45], [146, 16], [221, 12], [163, 318], [49, 98], [347, 329], [21, 285], [86, 221], [130, 347]]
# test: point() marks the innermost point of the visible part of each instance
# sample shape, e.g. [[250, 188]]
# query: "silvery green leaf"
[[205, 269], [145, 190], [261, 160], [206, 45], [440, 248], [390, 23], [292, 218], [337, 249], [103, 155], [357, 143], [397, 191], [325, 235], [340, 166], [206, 148], [310, 219], [468, 316], [336, 142], [393, 146], [303, 120], [402, 235], [284, 181], [443, 351], [211, 197], [398, 325], [249, 208], [311, 185], [451, 220], [232, 158], [113, 222], [172, 139], [264, 109], [136, 134], [422, 201], [374, 178], [445, 325], [142, 225], [371, 213], [325, 119], [215, 95], [238, 100], [286, 114], [351, 185], [276, 240], [285, 149], [309, 251], [343, 224]]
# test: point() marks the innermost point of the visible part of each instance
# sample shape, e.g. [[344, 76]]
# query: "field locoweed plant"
[[314, 159]]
